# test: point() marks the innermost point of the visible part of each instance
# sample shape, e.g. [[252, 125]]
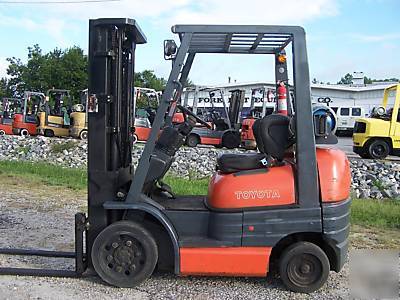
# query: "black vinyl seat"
[[231, 162], [272, 136]]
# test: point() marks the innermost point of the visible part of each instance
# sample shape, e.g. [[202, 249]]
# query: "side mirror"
[[170, 49]]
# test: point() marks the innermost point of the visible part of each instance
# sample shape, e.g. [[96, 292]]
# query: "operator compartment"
[[334, 174], [259, 188], [262, 179]]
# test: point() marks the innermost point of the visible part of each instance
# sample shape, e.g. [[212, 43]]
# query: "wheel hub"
[[305, 268], [124, 255]]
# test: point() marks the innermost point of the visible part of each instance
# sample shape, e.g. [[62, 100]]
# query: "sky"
[[342, 35]]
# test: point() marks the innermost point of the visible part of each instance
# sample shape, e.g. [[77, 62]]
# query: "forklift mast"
[[235, 107], [112, 44]]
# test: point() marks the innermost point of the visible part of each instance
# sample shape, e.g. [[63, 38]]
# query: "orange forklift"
[[222, 130], [26, 122], [285, 208], [9, 106], [144, 117]]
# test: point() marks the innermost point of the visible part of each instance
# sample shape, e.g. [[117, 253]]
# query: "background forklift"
[[9, 106], [224, 130], [144, 116], [26, 122], [54, 119], [279, 207], [379, 136], [79, 117], [268, 107]]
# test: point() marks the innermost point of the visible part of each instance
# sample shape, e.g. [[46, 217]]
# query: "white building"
[[367, 96]]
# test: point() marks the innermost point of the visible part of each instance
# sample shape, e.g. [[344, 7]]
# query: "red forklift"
[[285, 208], [223, 130], [9, 106], [145, 116], [26, 122]]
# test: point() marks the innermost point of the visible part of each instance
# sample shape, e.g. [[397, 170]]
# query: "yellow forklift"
[[79, 118], [54, 119], [379, 136]]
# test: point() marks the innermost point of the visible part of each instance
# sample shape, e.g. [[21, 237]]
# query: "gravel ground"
[[42, 217]]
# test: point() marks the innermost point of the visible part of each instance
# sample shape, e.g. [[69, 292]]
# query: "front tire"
[[304, 267], [48, 133], [378, 149], [134, 139], [124, 254], [2, 132], [192, 140], [83, 135], [24, 132]]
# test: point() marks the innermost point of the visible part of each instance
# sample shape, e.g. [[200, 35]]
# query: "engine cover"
[[263, 187]]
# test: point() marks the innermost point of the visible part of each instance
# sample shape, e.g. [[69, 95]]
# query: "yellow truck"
[[379, 136], [79, 118], [53, 115]]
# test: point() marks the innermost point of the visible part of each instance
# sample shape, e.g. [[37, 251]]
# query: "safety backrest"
[[272, 135]]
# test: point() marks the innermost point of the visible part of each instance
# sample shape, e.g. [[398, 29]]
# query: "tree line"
[[60, 69], [348, 79]]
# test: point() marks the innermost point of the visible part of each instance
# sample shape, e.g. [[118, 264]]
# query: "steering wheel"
[[188, 112]]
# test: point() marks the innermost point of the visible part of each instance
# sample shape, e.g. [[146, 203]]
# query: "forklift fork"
[[78, 255]]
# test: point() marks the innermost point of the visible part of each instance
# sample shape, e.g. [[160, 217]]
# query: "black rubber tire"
[[83, 135], [231, 140], [304, 267], [378, 149], [134, 139], [107, 256], [192, 140], [24, 132], [2, 132], [48, 133]]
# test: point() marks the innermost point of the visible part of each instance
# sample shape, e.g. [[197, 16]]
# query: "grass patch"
[[45, 173], [24, 150], [58, 148], [181, 186], [364, 212], [377, 213]]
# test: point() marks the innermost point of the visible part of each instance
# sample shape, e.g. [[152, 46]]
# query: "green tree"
[[5, 90], [62, 69], [347, 79], [393, 79], [367, 80], [147, 79]]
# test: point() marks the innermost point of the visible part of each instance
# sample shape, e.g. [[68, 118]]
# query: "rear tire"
[[24, 132], [192, 140], [231, 140], [49, 133], [124, 254], [2, 132], [378, 149], [304, 267], [83, 135]]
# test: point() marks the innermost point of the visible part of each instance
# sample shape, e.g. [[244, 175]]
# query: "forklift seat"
[[272, 136]]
